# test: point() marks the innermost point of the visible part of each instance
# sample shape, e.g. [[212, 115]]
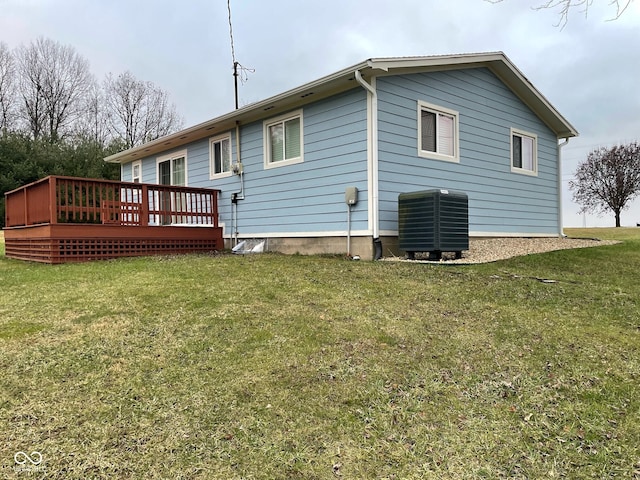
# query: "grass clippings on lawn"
[[273, 366]]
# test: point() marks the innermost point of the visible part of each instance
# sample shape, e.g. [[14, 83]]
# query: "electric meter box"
[[351, 195]]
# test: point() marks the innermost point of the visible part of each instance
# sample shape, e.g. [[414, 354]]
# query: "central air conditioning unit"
[[433, 221]]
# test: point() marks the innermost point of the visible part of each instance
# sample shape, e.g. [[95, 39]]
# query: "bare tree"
[[608, 180], [53, 82], [31, 81], [565, 7], [92, 125], [138, 111], [7, 88]]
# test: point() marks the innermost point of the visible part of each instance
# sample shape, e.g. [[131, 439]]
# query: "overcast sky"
[[589, 70]]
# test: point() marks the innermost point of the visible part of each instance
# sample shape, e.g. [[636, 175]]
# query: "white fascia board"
[[524, 89], [340, 81], [256, 111], [465, 59], [497, 62]]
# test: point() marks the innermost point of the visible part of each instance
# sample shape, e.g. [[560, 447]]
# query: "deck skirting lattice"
[[82, 250]]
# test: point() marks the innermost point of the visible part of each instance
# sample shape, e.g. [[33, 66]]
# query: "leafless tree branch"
[[7, 88], [138, 111], [565, 7], [54, 80]]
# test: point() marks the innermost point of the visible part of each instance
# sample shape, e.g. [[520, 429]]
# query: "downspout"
[[235, 196], [560, 219], [377, 244]]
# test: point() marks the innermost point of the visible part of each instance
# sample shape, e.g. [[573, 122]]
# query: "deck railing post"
[[144, 206], [53, 200], [214, 208], [26, 206]]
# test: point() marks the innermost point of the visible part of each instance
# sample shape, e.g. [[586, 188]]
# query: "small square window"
[[220, 156], [438, 132], [283, 140], [524, 152]]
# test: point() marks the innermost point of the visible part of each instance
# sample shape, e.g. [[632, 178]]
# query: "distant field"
[[314, 367], [622, 233]]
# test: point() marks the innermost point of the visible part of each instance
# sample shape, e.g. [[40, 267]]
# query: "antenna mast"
[[235, 80], [238, 70]]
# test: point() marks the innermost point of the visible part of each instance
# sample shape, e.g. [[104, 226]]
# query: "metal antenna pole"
[[235, 80]]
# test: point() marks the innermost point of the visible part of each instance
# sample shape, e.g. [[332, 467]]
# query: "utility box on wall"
[[433, 221]]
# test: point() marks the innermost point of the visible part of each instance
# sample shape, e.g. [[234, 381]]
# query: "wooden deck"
[[65, 219]]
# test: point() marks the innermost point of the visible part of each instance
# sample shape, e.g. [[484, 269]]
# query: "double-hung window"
[[283, 137], [220, 157], [524, 152], [437, 132], [136, 171], [172, 169]]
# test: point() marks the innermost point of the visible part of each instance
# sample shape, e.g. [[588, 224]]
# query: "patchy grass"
[[276, 366]]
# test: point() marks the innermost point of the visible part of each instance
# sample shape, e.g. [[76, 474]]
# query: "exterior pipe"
[[235, 196], [377, 244], [240, 195], [560, 219], [348, 230]]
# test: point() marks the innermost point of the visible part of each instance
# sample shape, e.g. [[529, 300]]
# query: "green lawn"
[[273, 366]]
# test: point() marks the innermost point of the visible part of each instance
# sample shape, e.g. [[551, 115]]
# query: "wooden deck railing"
[[56, 199]]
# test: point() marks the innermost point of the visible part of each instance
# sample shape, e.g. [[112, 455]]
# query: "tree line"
[[56, 118]]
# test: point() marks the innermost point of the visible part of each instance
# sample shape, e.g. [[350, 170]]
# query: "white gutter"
[[374, 154], [560, 219]]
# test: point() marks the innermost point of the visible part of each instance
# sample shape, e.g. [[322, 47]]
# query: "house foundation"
[[360, 246]]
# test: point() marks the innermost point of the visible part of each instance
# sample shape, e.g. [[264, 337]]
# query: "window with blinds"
[[220, 156], [438, 132], [524, 152], [172, 169], [283, 140]]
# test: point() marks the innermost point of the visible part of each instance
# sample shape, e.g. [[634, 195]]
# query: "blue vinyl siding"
[[305, 198], [148, 172], [500, 201], [125, 172], [308, 197]]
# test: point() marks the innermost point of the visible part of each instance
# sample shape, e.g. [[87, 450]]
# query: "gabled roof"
[[344, 80]]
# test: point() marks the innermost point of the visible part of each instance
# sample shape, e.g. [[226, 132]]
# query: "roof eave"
[[499, 64], [341, 81], [532, 97], [309, 92]]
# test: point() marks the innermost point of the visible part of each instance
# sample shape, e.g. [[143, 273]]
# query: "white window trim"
[[267, 147], [219, 138], [137, 163], [172, 156], [456, 132], [523, 133]]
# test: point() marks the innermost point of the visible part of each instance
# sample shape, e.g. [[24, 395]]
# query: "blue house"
[[286, 166]]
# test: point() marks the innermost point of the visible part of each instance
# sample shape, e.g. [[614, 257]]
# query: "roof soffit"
[[343, 81]]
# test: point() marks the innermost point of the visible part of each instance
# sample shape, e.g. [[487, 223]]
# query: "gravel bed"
[[492, 249]]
